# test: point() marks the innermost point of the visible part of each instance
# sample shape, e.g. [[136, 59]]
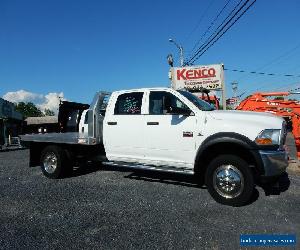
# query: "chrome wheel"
[[228, 181], [50, 162]]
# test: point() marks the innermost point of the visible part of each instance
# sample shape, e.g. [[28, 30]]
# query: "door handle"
[[152, 123], [112, 123]]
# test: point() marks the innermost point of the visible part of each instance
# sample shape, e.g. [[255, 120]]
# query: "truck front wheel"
[[54, 162], [229, 180]]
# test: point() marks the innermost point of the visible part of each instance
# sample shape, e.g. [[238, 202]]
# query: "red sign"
[[184, 74]]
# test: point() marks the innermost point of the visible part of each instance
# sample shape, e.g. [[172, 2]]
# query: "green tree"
[[28, 109], [49, 112]]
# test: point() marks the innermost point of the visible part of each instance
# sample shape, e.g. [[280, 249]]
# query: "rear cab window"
[[129, 104]]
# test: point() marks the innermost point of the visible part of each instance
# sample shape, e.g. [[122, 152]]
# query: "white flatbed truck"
[[170, 130]]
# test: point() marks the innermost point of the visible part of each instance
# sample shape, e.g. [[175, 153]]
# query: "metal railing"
[[13, 142]]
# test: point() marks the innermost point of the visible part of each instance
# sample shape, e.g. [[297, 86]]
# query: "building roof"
[[7, 110], [41, 120]]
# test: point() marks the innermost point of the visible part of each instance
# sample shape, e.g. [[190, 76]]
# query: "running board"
[[182, 170]]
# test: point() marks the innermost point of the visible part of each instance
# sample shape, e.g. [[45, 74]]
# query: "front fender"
[[228, 142]]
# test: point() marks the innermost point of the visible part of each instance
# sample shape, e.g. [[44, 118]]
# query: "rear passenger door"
[[124, 128]]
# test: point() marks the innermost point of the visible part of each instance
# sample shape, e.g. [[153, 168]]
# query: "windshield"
[[200, 104]]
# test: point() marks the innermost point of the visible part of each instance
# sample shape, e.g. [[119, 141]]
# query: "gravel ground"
[[115, 208]]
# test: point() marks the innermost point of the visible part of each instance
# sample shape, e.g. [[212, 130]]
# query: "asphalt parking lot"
[[115, 208]]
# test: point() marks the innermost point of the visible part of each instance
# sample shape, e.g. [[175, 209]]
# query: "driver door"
[[170, 135]]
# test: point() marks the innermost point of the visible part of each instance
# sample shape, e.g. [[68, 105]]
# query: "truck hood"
[[247, 123]]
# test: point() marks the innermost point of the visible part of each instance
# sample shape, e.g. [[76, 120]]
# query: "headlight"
[[268, 137]]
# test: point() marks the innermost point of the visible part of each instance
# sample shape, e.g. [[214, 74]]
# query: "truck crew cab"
[[170, 130]]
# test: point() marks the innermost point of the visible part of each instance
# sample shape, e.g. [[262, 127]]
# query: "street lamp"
[[180, 50]]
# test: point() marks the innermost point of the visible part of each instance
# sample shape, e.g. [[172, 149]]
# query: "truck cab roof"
[[144, 89]]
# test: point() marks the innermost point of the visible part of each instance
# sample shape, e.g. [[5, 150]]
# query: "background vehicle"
[[168, 130]]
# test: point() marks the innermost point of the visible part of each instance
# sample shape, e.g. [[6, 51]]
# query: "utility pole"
[[180, 51], [234, 86]]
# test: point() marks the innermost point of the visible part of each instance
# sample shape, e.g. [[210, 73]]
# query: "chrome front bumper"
[[274, 162]]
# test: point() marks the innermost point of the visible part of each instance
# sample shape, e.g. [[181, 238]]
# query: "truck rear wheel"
[[54, 162], [230, 180]]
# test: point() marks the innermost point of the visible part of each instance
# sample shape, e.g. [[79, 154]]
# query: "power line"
[[294, 89], [262, 73], [216, 30], [285, 86], [212, 41], [210, 45], [200, 20], [257, 71], [278, 58], [265, 86], [211, 24]]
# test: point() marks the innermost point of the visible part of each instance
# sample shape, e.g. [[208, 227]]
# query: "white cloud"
[[22, 96], [49, 101]]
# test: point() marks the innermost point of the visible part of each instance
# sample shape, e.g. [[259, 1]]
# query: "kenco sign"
[[195, 77]]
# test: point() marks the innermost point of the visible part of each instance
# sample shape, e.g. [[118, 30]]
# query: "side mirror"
[[181, 111], [187, 112]]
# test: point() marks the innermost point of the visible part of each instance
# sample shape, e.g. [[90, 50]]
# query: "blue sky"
[[79, 47]]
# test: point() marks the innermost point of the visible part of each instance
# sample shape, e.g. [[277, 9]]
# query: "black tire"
[[229, 180], [55, 163]]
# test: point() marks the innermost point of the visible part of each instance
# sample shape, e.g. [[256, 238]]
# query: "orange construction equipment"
[[276, 103], [212, 99]]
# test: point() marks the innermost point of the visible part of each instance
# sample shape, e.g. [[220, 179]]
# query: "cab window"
[[129, 104], [161, 101]]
